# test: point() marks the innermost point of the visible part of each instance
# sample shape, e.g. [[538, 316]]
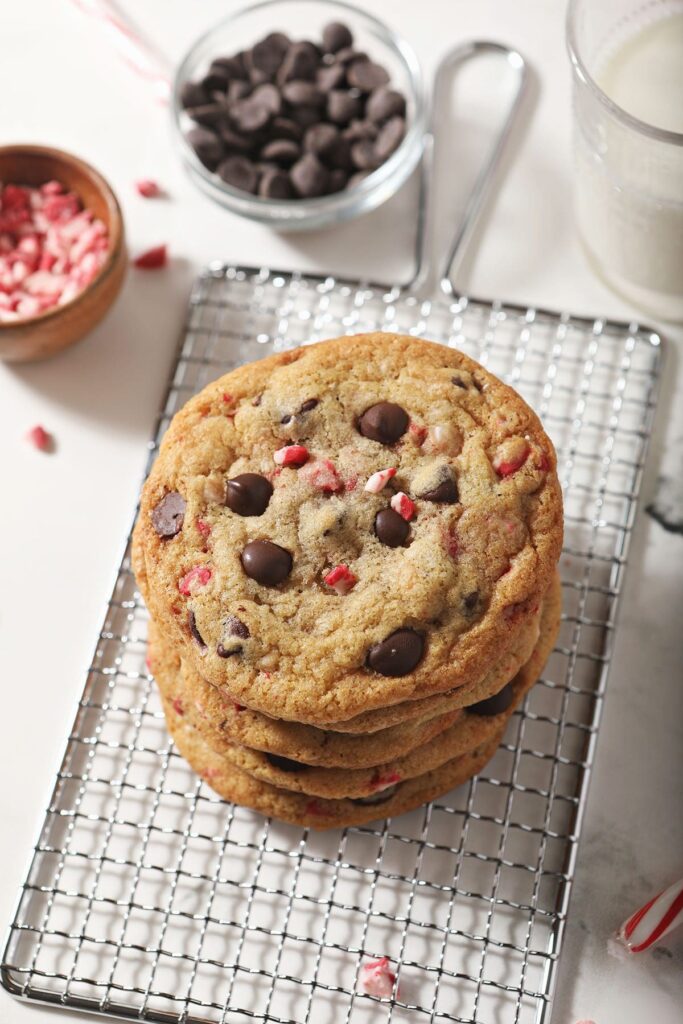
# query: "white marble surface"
[[63, 518]]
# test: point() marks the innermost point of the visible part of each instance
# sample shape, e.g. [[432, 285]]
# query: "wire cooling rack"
[[149, 898]]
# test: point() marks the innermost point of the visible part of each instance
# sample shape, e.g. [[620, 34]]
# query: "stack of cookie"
[[349, 554]]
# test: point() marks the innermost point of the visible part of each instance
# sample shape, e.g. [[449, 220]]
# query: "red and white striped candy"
[[379, 480], [291, 455], [404, 505], [377, 979], [341, 579], [653, 921]]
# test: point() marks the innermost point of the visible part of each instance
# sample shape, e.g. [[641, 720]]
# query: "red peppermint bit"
[[314, 807], [148, 188], [268, 675], [148, 662], [40, 439], [194, 580], [404, 505], [417, 432], [228, 398], [210, 773], [203, 528], [177, 706], [377, 979], [291, 455], [450, 542], [379, 480], [238, 707], [322, 474], [542, 462], [511, 456], [341, 579], [152, 259], [351, 483], [384, 781]]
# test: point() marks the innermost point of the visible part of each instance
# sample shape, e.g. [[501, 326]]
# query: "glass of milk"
[[627, 60]]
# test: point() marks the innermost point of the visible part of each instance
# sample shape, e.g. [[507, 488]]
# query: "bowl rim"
[[116, 228], [293, 211]]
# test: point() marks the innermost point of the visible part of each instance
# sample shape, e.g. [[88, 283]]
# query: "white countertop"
[[64, 517]]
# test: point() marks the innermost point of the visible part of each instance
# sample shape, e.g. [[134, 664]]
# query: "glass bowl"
[[305, 19]]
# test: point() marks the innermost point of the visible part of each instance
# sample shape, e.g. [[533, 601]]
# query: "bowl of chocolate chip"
[[300, 113]]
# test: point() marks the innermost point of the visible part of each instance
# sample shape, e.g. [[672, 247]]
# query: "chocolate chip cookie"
[[269, 558]]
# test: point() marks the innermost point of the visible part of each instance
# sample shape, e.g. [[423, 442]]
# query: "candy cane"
[[136, 52], [653, 921]]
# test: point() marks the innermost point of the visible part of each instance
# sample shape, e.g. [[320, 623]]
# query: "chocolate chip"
[[208, 115], [285, 764], [207, 146], [168, 515], [391, 528], [192, 626], [250, 115], [384, 422], [495, 705], [264, 59], [216, 80], [239, 172], [269, 97], [358, 130], [336, 36], [228, 652], [459, 382], [285, 128], [192, 94], [366, 76], [301, 93], [445, 493], [300, 61], [320, 139], [331, 77], [377, 798], [470, 601], [389, 138], [234, 143], [265, 562], [309, 177], [238, 90], [384, 103], [275, 184], [233, 66], [309, 404], [343, 106], [248, 494], [305, 116], [398, 654], [339, 155], [338, 179], [348, 55], [284, 151], [364, 155], [235, 627]]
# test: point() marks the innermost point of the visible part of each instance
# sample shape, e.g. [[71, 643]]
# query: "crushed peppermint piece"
[[380, 782], [152, 259], [194, 580], [322, 474], [379, 480], [377, 979], [510, 456], [203, 527], [417, 432], [148, 188], [291, 455], [177, 706], [50, 249], [404, 505], [40, 439], [341, 579]]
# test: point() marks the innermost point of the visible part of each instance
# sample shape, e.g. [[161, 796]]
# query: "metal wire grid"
[[147, 897]]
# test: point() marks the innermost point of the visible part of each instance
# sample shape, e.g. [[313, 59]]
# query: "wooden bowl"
[[57, 328]]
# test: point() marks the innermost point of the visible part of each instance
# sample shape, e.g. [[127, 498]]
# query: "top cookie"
[[349, 525]]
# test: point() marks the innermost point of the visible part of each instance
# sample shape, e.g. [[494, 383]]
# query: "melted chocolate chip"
[[248, 494], [384, 422], [470, 602], [228, 652], [445, 493], [398, 654], [309, 404], [265, 562], [235, 627], [192, 626], [459, 382], [391, 528], [167, 517], [285, 764], [493, 705], [377, 798]]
